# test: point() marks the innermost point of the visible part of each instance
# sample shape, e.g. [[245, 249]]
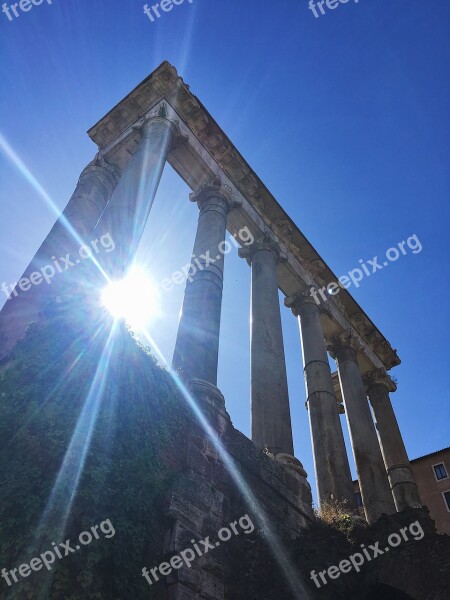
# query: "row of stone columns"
[[384, 473], [196, 357], [104, 202], [331, 464], [122, 211], [197, 345], [376, 494], [401, 478]]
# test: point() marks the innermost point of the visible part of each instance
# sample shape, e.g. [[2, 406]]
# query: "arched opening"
[[386, 592]]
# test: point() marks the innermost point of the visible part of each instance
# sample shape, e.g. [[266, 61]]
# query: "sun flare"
[[134, 298]]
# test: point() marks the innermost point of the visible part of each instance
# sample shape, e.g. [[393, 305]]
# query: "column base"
[[296, 470], [404, 487], [291, 462], [208, 392], [212, 403]]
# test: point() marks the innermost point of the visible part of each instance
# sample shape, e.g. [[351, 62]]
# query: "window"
[[440, 471], [447, 499], [359, 501]]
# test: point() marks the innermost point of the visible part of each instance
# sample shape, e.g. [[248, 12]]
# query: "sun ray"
[[66, 483], [62, 381], [18, 163], [296, 585], [134, 298]]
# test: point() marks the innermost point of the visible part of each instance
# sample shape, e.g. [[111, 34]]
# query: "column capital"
[[264, 243], [379, 377], [207, 191], [100, 163], [298, 300], [146, 127], [343, 340]]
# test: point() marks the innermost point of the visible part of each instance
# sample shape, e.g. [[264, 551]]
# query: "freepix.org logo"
[[187, 556], [357, 560], [154, 12], [366, 269], [317, 8], [59, 265], [13, 11], [47, 558]]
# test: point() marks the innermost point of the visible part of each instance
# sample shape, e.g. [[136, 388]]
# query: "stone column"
[[373, 481], [403, 485], [127, 211], [197, 345], [95, 187], [270, 412], [74, 228], [333, 475]]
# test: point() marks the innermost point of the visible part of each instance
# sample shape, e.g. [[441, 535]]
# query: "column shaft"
[[401, 477], [332, 468], [270, 412], [127, 211], [74, 228], [374, 485], [197, 345]]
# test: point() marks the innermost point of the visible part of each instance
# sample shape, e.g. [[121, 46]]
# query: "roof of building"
[[430, 454]]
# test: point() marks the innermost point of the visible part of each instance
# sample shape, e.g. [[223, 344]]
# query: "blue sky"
[[345, 118]]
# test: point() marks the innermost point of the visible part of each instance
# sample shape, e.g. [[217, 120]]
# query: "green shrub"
[[130, 463]]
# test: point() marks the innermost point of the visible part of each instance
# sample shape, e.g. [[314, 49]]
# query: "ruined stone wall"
[[206, 498]]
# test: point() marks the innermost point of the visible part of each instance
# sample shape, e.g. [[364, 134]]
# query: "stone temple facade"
[[162, 121]]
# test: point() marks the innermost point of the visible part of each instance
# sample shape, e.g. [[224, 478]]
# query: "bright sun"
[[134, 298]]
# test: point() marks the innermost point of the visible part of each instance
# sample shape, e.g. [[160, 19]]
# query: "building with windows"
[[433, 479], [432, 475]]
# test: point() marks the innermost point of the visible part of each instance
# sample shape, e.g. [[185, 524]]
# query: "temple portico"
[[161, 122]]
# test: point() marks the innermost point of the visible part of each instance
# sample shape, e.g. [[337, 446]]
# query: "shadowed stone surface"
[[375, 490], [270, 412], [401, 477], [197, 346], [330, 456]]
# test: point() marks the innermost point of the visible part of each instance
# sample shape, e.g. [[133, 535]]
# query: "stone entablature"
[[202, 153]]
